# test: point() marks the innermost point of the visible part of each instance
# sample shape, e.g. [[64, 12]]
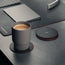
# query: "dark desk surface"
[[44, 52], [40, 6], [54, 52], [47, 16]]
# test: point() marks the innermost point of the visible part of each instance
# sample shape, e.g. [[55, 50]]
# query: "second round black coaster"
[[46, 33], [22, 52]]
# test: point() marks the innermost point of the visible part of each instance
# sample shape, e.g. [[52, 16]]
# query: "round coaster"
[[46, 33], [18, 51]]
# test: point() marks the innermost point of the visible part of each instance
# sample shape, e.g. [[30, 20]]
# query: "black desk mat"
[[48, 16], [44, 52], [54, 15]]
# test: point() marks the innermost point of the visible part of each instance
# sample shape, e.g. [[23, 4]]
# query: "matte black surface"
[[40, 6], [47, 53], [4, 3], [54, 15], [44, 52], [4, 60]]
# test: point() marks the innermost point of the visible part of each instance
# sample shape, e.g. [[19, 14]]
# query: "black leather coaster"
[[18, 51], [46, 33]]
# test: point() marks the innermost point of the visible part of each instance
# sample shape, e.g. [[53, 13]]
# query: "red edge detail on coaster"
[[21, 52], [47, 39]]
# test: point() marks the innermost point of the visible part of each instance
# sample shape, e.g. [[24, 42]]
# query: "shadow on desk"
[[4, 60]]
